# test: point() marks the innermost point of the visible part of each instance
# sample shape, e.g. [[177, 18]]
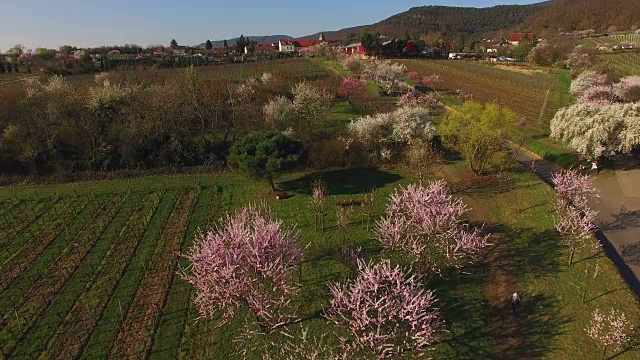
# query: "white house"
[[286, 46], [179, 52]]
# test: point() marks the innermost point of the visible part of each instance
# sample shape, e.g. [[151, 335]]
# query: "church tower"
[[321, 36]]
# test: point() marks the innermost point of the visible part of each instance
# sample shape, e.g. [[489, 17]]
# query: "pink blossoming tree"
[[351, 87], [413, 75], [430, 81], [576, 220], [248, 262], [426, 223], [385, 311], [610, 330], [416, 98]]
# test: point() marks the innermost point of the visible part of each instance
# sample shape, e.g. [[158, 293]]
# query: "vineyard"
[[534, 96], [613, 39], [626, 63]]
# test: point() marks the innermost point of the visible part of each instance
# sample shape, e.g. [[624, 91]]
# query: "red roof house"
[[515, 38], [355, 48]]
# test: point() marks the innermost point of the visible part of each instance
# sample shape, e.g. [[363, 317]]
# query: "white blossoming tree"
[[586, 80], [610, 330], [596, 131], [390, 132]]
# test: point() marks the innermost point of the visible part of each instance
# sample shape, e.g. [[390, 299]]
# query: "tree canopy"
[[478, 132], [208, 45], [264, 154]]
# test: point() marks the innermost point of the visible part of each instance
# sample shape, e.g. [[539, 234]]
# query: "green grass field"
[[89, 271]]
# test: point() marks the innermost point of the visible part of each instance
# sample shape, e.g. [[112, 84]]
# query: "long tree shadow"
[[463, 310], [631, 254], [527, 251], [623, 221], [344, 181], [529, 333]]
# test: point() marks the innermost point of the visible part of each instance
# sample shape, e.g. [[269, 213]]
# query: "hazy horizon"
[[88, 23]]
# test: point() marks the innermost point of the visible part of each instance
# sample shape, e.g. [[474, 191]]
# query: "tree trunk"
[[571, 257], [273, 185], [604, 352]]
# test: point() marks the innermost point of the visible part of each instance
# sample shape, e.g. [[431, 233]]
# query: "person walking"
[[533, 165], [515, 302], [594, 167]]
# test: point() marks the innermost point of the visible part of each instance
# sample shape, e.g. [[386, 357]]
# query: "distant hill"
[[261, 39], [571, 15], [451, 22]]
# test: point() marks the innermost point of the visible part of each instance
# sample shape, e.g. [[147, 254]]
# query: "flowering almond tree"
[[610, 330], [413, 75], [416, 98], [629, 88], [595, 130], [586, 80], [385, 311], [576, 220], [426, 223], [248, 262], [351, 87]]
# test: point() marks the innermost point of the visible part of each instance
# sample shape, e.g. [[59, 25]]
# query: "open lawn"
[[89, 269]]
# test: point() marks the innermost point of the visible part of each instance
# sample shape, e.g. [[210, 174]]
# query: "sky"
[[88, 23]]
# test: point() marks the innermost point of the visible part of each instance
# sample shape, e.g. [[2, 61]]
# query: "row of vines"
[[94, 276]]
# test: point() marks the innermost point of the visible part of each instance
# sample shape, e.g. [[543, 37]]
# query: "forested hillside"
[[450, 22], [600, 15]]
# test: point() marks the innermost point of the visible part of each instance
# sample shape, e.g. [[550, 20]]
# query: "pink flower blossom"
[[576, 220], [385, 310], [426, 222], [413, 75], [247, 262], [351, 87], [415, 98]]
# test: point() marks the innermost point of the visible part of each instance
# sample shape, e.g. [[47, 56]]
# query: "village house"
[[261, 49], [180, 51], [289, 46], [286, 46], [355, 48], [515, 38]]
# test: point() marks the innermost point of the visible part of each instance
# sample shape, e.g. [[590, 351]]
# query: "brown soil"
[[137, 330]]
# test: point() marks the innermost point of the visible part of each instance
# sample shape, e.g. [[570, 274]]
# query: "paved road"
[[618, 211]]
